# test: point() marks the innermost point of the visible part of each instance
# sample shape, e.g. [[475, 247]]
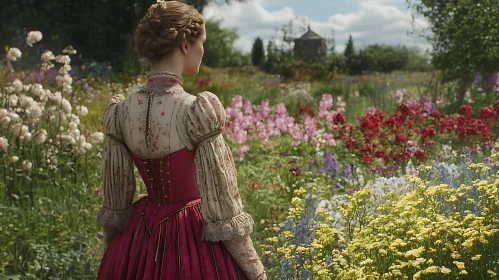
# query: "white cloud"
[[375, 21]]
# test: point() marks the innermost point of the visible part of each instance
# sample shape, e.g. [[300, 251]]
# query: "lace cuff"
[[111, 218], [239, 225]]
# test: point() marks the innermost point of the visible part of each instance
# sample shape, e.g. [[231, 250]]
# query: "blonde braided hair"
[[164, 27]]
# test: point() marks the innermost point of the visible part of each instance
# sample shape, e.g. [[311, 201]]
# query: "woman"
[[191, 224]]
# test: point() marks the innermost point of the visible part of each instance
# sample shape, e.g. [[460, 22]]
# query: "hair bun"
[[165, 26]]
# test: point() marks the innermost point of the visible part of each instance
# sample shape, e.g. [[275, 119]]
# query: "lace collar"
[[161, 86]]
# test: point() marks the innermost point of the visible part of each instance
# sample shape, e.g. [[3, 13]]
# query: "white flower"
[[18, 85], [27, 165], [81, 110], [9, 89], [5, 121], [55, 97], [13, 100], [69, 50], [40, 137], [13, 159], [35, 110], [47, 56], [33, 37], [75, 119], [13, 54], [63, 80], [4, 144], [37, 90], [66, 105], [88, 146], [3, 112], [64, 69], [27, 136], [15, 129], [63, 59], [96, 137], [47, 65], [73, 126]]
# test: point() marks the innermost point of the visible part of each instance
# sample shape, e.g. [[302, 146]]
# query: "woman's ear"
[[185, 47]]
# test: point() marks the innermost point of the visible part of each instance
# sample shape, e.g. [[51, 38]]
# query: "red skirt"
[[164, 242]]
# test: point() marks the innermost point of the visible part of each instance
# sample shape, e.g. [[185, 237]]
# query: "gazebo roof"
[[310, 35]]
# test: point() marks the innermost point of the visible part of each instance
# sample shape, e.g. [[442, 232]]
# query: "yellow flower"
[[299, 191], [490, 272], [459, 265], [476, 258], [287, 234], [432, 269], [273, 239], [445, 270]]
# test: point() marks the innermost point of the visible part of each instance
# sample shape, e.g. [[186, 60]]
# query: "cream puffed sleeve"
[[221, 205], [216, 176], [118, 181]]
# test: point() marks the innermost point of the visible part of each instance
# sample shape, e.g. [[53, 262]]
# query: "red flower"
[[428, 132], [294, 170], [380, 153], [487, 112], [399, 137], [367, 159], [420, 154], [351, 144], [409, 110], [428, 143], [466, 109], [409, 124], [339, 118]]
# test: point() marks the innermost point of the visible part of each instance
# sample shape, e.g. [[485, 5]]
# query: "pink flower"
[[325, 103], [248, 108], [329, 139], [310, 126], [297, 134], [399, 94]]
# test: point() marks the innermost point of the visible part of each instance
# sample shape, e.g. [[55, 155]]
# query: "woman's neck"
[[168, 64]]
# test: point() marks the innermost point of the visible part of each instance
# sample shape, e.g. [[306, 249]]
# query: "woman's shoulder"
[[109, 116]]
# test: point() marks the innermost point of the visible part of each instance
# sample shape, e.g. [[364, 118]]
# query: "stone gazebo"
[[310, 47]]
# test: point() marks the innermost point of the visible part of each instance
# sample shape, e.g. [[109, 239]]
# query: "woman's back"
[[152, 116], [191, 224]]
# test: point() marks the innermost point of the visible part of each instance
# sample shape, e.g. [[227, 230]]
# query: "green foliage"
[[271, 60], [219, 47], [257, 52], [465, 37], [349, 50], [96, 33]]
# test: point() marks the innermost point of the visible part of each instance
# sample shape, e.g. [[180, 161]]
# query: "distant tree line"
[[100, 30]]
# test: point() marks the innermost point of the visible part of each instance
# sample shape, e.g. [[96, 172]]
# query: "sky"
[[368, 21]]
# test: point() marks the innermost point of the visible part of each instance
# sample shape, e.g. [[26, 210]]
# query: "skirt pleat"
[[164, 242]]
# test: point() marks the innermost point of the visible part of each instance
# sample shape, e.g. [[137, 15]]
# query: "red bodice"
[[170, 179]]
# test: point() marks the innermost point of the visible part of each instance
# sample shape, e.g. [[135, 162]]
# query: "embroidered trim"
[[239, 225], [209, 135]]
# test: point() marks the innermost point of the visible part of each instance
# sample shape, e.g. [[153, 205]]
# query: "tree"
[[272, 59], [201, 4], [349, 50], [465, 37], [97, 34], [257, 52], [219, 46]]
